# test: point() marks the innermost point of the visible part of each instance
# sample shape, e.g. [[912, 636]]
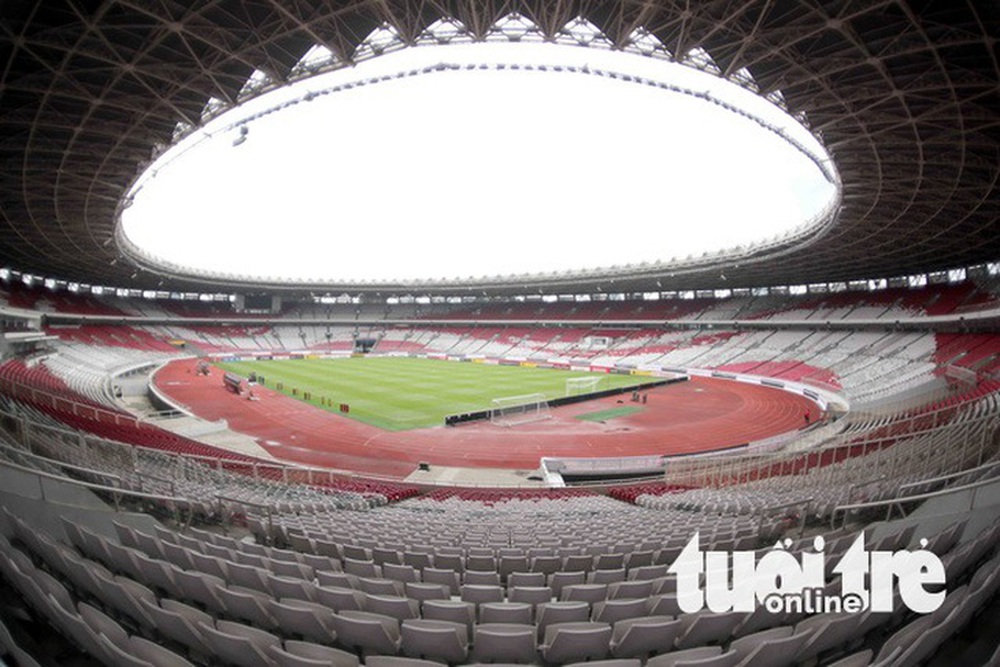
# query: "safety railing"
[[896, 504]]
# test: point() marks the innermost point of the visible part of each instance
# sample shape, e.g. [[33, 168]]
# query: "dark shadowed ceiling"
[[904, 94]]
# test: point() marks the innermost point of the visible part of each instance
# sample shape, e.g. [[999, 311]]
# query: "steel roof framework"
[[905, 95]]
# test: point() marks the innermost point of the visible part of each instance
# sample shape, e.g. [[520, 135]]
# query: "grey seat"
[[905, 636], [770, 648], [209, 564], [547, 564], [354, 552], [82, 574], [859, 659], [154, 654], [384, 556], [449, 561], [647, 572], [557, 581], [421, 591], [449, 578], [183, 628], [606, 576], [367, 631], [572, 642], [480, 594], [380, 586], [301, 618], [398, 661], [585, 592], [759, 619], [120, 655], [336, 579], [456, 611], [203, 589], [400, 608], [579, 563], [830, 631], [480, 563], [362, 568], [102, 624], [706, 627], [609, 562], [630, 589], [68, 621], [126, 595], [481, 577], [245, 604], [560, 612], [51, 586], [340, 599], [292, 569], [530, 594], [637, 559], [442, 640], [177, 555], [248, 576], [305, 654], [512, 563], [400, 572], [643, 637], [418, 560], [612, 611], [515, 579], [240, 645], [702, 656], [291, 587], [506, 612], [505, 642]]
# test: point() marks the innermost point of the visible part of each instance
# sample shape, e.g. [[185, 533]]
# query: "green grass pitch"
[[401, 393]]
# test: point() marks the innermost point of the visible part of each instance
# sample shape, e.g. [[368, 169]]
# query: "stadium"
[[241, 442]]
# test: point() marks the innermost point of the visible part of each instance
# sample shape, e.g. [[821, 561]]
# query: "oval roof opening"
[[443, 163]]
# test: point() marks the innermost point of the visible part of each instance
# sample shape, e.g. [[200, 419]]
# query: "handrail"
[[145, 475], [959, 417], [54, 398], [113, 490], [871, 480], [309, 471], [889, 503], [944, 478], [774, 508], [266, 509], [63, 464]]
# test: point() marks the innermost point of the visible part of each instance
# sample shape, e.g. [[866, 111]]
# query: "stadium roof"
[[904, 95]]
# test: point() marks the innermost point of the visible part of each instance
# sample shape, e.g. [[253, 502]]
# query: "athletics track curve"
[[700, 415]]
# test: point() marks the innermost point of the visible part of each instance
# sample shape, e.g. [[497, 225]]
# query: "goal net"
[[514, 410], [584, 385]]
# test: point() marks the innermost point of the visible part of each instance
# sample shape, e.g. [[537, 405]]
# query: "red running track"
[[700, 415]]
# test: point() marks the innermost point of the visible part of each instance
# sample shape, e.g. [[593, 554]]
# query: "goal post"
[[585, 385], [515, 410]]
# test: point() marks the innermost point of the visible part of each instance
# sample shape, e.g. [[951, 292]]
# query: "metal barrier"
[[892, 504]]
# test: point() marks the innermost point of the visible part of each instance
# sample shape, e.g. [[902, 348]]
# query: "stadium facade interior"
[[135, 535]]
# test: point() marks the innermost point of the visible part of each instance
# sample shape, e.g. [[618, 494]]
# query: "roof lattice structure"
[[905, 95]]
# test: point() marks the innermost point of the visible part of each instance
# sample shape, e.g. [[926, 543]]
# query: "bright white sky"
[[471, 174]]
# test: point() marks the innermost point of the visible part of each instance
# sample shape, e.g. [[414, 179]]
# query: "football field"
[[400, 393]]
